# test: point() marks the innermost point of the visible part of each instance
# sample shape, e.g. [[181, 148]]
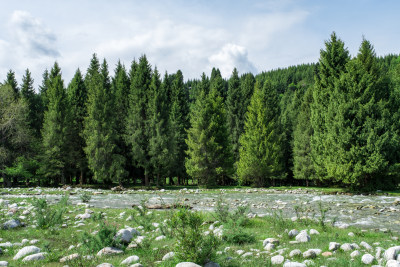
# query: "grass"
[[56, 240]]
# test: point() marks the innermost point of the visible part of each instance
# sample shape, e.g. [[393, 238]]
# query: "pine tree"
[[303, 166], [120, 90], [331, 65], [361, 134], [210, 158], [158, 112], [12, 82], [54, 159], [33, 101], [233, 101], [137, 123], [261, 151], [103, 159], [179, 123], [77, 97]]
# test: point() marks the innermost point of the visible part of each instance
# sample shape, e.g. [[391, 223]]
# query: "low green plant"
[[85, 197], [236, 218], [143, 216], [238, 236], [48, 216], [104, 237], [192, 245]]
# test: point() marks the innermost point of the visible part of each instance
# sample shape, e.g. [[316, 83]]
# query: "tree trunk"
[[146, 179]]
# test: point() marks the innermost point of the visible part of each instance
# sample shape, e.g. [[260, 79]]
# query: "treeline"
[[331, 123]]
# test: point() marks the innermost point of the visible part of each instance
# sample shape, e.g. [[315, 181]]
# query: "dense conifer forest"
[[333, 123]]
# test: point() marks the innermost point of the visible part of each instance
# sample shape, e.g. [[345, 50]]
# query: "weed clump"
[[104, 237], [48, 216]]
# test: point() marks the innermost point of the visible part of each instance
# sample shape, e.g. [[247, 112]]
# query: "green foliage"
[[55, 129], [238, 236], [104, 237], [303, 165], [261, 150], [142, 216], [85, 197], [191, 244], [49, 216], [210, 159], [11, 81], [137, 130]]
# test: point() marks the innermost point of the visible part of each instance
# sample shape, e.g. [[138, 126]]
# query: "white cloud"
[[32, 36], [231, 56]]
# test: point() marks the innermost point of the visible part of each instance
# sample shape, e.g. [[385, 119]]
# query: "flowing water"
[[370, 212]]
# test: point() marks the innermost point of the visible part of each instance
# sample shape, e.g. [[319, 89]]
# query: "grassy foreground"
[[60, 233]]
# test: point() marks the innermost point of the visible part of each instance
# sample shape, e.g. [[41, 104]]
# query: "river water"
[[369, 212]]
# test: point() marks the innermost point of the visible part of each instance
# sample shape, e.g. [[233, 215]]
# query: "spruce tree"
[[137, 122], [361, 133], [55, 126], [331, 65], [157, 113], [303, 166], [33, 100], [233, 108], [103, 159], [179, 123], [77, 96], [210, 158], [261, 151], [12, 81], [120, 89]]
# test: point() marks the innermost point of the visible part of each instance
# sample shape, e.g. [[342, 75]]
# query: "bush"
[[192, 245], [238, 236], [103, 238], [142, 216], [49, 216], [85, 197], [233, 219]]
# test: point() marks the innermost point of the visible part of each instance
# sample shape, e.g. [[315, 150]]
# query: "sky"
[[191, 35]]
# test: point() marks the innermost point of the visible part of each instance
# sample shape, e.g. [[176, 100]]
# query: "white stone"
[[295, 252], [10, 224], [26, 251], [125, 235], [346, 247], [303, 237], [294, 264], [6, 245], [392, 263], [136, 265], [247, 254], [161, 237], [278, 259], [69, 257], [270, 241], [378, 253], [355, 254], [293, 233], [366, 245], [334, 246], [314, 232], [106, 264], [187, 264], [109, 251], [309, 254], [391, 253], [351, 234], [269, 247], [34, 257], [3, 263], [367, 258], [168, 256], [130, 260], [24, 241], [239, 252]]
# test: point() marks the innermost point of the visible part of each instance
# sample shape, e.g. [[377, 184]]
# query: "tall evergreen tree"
[[55, 127], [210, 158], [120, 89], [233, 107], [179, 123], [33, 101], [12, 81], [303, 166], [261, 151], [331, 65], [361, 136], [137, 123], [158, 112], [77, 96], [103, 159]]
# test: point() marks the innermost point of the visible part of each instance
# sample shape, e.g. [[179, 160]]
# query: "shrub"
[[49, 216], [142, 216], [238, 236], [192, 245], [103, 238], [85, 197]]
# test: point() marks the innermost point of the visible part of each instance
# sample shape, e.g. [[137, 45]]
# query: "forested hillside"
[[333, 123]]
